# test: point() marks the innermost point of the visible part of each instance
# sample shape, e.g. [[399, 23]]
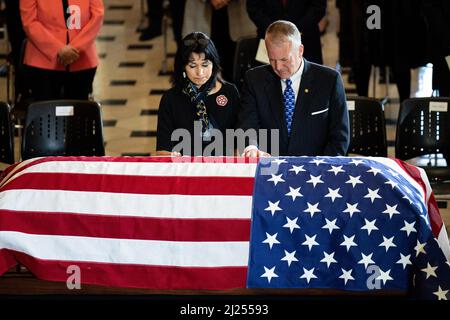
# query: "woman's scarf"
[[197, 97]]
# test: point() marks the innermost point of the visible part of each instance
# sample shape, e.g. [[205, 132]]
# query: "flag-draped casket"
[[355, 224]]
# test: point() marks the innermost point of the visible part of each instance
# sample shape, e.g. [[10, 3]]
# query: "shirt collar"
[[297, 75]]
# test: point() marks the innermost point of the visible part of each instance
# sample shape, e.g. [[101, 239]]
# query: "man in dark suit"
[[305, 14], [304, 101]]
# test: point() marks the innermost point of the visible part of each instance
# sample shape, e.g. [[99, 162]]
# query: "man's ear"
[[301, 48]]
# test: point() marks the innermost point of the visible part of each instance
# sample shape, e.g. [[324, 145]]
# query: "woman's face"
[[198, 69]]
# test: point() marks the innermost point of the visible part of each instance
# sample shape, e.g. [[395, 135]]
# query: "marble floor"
[[129, 86]]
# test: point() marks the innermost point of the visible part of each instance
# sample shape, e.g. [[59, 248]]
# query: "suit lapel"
[[276, 104], [303, 103]]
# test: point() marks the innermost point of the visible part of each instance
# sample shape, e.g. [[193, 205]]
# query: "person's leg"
[[78, 84], [361, 74], [402, 75], [441, 77], [220, 35], [45, 84], [16, 36], [177, 12], [155, 15]]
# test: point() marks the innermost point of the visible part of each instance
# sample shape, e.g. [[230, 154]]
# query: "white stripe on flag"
[[128, 204], [395, 167], [123, 251], [171, 169]]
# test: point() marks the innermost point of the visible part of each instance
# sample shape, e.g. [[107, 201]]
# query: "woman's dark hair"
[[197, 42]]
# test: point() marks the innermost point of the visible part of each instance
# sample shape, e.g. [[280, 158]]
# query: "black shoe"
[[149, 33]]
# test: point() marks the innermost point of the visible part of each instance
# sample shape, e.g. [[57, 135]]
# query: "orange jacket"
[[46, 30]]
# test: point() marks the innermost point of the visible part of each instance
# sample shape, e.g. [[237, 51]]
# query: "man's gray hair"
[[279, 30]]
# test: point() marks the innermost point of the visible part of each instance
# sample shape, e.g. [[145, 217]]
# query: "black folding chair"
[[367, 127], [423, 138], [7, 136], [244, 59], [63, 128]]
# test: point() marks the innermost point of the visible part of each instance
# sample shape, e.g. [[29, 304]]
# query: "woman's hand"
[[219, 4], [168, 153], [68, 55]]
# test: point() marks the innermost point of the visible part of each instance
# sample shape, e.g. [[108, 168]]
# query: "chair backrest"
[[423, 128], [7, 136], [63, 128], [244, 59], [367, 127]]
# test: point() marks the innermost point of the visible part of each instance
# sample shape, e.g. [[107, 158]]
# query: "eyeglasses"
[[192, 42]]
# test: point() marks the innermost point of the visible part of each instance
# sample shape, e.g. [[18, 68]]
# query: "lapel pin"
[[306, 90]]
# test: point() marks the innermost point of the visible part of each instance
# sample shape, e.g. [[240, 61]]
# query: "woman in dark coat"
[[200, 105]]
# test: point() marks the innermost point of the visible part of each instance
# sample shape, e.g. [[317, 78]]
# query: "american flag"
[[159, 223], [184, 223], [355, 224]]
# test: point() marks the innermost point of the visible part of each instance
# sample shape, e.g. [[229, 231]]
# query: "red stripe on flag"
[[121, 227], [138, 276], [7, 261], [240, 186], [218, 160], [432, 206]]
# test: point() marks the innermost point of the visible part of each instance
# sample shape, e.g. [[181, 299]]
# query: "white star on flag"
[[430, 271], [384, 276], [289, 257], [269, 274], [308, 274], [351, 209], [279, 161], [391, 210], [333, 194], [373, 194], [273, 207], [310, 241], [348, 242], [375, 171], [387, 243], [441, 294], [336, 170], [330, 225], [276, 178], [271, 239], [294, 193], [407, 198], [346, 275], [391, 183], [328, 259], [297, 169], [404, 260], [356, 162], [314, 180], [366, 260], [318, 161], [409, 227], [354, 180], [420, 248], [369, 226], [312, 208], [395, 174], [291, 224]]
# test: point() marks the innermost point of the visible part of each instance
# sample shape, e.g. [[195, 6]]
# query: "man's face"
[[284, 59]]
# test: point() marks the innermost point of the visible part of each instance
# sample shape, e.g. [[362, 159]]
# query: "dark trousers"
[[441, 76], [54, 85], [220, 35]]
